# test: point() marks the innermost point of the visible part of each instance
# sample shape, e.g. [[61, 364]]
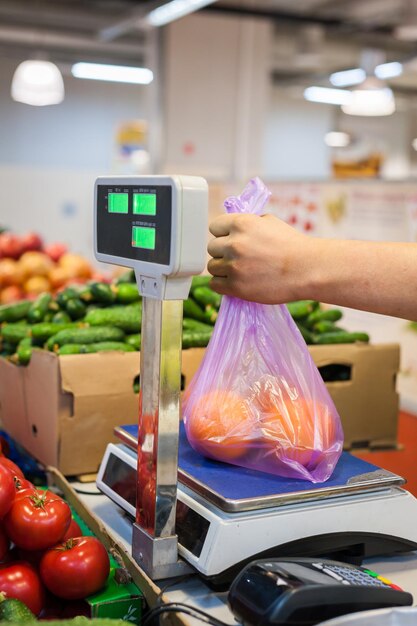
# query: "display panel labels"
[[144, 204], [118, 203], [143, 237]]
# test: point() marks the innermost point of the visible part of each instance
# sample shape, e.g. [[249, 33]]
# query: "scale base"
[[158, 557]]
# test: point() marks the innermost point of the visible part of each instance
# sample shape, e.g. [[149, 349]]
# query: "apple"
[[55, 251], [31, 241], [10, 246]]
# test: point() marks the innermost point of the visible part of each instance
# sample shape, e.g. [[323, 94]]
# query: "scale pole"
[[155, 543]]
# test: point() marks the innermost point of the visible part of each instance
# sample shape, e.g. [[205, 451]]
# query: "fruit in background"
[[220, 425], [10, 273], [11, 294], [30, 242], [35, 264], [58, 276], [36, 285], [10, 246], [55, 251], [76, 266]]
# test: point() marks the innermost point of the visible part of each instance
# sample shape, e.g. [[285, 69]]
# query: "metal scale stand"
[[226, 515]]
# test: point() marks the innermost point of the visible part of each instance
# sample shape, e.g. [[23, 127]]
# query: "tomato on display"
[[20, 580], [75, 568], [14, 469], [37, 519], [7, 490]]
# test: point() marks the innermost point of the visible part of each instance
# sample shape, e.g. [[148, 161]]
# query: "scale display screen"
[[135, 222]]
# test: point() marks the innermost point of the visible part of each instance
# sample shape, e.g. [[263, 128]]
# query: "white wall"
[[50, 156]]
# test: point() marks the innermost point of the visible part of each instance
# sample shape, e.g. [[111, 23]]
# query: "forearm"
[[373, 276]]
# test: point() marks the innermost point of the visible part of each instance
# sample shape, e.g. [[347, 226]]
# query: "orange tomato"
[[219, 425]]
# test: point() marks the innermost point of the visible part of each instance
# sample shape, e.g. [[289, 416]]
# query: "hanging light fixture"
[[38, 83]]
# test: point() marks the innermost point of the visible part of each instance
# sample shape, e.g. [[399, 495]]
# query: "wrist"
[[308, 268]]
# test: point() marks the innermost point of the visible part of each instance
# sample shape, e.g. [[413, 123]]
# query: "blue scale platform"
[[237, 488]]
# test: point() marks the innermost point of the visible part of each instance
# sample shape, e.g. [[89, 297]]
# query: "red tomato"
[[73, 531], [37, 519], [4, 544], [15, 470], [7, 490], [20, 580], [22, 483], [76, 568]]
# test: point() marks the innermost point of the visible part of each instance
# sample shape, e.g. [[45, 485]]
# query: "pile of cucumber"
[[320, 326], [98, 317]]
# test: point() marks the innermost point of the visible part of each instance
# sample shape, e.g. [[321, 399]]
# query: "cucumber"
[[61, 317], [89, 348], [13, 333], [75, 308], [190, 324], [85, 335], [41, 332], [341, 337], [103, 292], [13, 610], [15, 312], [327, 327], [127, 293], [301, 308], [128, 317], [207, 297], [194, 311], [134, 340], [329, 315], [49, 315], [200, 281], [74, 348], [39, 308], [24, 351], [63, 296], [195, 339]]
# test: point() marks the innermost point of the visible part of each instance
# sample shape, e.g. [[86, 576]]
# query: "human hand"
[[258, 258]]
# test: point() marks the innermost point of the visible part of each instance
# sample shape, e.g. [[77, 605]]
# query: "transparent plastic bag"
[[257, 399]]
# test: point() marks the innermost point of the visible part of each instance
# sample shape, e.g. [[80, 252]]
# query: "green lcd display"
[[118, 203], [144, 204], [143, 237]]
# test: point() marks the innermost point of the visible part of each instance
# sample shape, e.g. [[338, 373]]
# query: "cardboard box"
[[63, 410]]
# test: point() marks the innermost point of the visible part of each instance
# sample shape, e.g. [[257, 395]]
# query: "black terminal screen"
[[135, 222]]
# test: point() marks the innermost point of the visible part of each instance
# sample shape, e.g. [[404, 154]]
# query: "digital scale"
[[193, 511]]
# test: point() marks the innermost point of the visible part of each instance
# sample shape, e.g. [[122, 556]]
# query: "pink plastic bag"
[[257, 399]]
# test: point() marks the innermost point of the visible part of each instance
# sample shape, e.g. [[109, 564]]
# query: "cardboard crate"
[[63, 410]]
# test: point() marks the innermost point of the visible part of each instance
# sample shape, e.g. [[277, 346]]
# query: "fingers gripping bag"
[[257, 399]]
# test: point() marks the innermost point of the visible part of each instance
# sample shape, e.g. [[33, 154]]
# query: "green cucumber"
[[103, 292], [24, 351], [194, 311], [89, 348], [75, 308], [207, 297], [15, 312], [300, 309], [61, 317], [195, 339], [63, 296], [134, 340], [85, 335], [13, 333], [200, 281], [127, 293], [74, 348], [41, 332], [13, 610], [190, 324], [327, 327], [341, 337], [128, 317], [329, 315]]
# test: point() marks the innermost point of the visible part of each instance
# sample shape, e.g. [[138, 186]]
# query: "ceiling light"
[[388, 70], [327, 95], [174, 10], [371, 98], [337, 139], [38, 83], [113, 73], [348, 77]]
